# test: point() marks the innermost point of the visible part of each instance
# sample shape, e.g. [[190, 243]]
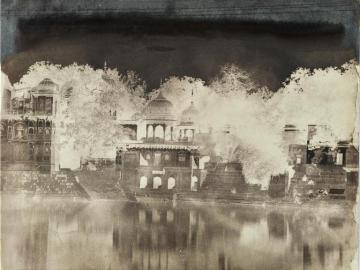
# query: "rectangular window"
[[339, 159]]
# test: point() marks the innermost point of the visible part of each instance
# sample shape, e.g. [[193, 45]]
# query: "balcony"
[[183, 141]]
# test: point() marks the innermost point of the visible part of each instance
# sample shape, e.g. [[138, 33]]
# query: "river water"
[[61, 234]]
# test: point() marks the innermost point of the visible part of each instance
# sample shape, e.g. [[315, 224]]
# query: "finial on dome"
[[105, 65], [160, 95]]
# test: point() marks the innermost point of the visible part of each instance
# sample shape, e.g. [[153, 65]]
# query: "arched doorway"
[[150, 131], [157, 182], [143, 182], [159, 132], [171, 183]]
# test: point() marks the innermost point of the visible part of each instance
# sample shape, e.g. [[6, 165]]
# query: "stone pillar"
[[164, 130]]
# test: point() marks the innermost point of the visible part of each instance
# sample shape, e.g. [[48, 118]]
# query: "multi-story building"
[[164, 157], [324, 165], [27, 129]]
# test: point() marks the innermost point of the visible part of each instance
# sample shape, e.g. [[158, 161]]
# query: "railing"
[[18, 114], [164, 141]]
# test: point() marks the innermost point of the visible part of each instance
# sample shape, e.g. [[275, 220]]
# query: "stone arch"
[[143, 182], [171, 183], [159, 131], [150, 131], [41, 123], [156, 182]]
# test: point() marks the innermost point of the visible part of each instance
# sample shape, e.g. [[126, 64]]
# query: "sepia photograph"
[[179, 135]]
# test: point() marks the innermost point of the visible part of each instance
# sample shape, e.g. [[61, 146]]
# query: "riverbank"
[[265, 203]]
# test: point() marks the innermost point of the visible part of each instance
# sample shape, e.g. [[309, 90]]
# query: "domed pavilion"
[[43, 97], [159, 119], [187, 123]]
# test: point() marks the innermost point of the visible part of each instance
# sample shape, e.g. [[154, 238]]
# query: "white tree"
[[87, 96]]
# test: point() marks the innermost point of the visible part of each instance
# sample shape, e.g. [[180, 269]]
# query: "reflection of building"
[[27, 128]]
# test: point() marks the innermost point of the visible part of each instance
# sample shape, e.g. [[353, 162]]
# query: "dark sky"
[[158, 49]]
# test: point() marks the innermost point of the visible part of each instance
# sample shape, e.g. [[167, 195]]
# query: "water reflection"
[[111, 235]]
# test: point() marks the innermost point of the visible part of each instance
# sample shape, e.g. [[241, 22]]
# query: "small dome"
[[159, 109], [46, 86], [188, 115]]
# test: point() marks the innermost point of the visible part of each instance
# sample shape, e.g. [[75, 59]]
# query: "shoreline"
[[308, 205]]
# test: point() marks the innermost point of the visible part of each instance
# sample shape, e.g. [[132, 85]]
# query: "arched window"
[[150, 131], [157, 182], [47, 131], [148, 156], [143, 182], [194, 183], [19, 130], [41, 123], [159, 132], [171, 183]]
